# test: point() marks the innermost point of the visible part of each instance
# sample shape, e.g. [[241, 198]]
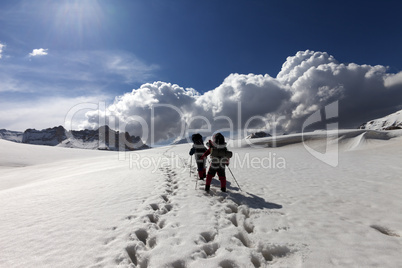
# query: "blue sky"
[[55, 54]]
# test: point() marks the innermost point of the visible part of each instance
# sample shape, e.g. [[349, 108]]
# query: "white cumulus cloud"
[[1, 49], [157, 104], [307, 82], [393, 80], [38, 52]]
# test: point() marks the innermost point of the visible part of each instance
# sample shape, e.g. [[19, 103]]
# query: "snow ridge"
[[389, 122], [9, 135]]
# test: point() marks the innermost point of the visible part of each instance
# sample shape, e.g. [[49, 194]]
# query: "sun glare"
[[78, 18]]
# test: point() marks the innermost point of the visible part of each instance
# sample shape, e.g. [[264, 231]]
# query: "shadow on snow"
[[246, 198]]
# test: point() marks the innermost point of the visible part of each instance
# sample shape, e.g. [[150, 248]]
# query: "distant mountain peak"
[[15, 136], [389, 122], [259, 134]]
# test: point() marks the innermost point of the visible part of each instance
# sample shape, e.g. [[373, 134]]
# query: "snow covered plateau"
[[63, 207]]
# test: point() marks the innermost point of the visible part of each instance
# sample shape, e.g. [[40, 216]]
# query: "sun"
[[78, 19]]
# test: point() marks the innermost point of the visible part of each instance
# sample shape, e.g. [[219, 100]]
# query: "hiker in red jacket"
[[219, 160]]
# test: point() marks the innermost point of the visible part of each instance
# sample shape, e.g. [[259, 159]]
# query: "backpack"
[[221, 153], [219, 150]]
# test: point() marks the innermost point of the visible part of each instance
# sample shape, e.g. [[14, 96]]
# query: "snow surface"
[[78, 208]]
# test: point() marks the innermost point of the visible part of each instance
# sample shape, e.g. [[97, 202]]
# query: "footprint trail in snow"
[[179, 226]]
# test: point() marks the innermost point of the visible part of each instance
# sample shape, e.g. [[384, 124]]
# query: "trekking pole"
[[191, 163], [196, 181], [234, 178]]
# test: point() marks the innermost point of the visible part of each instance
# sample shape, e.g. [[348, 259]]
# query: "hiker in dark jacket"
[[198, 150], [219, 160]]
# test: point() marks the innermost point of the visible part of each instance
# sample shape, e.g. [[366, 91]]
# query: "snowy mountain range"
[[389, 122], [9, 135], [103, 138]]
